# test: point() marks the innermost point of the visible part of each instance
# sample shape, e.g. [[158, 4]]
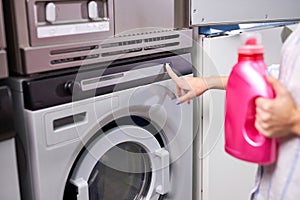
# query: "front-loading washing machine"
[[111, 134]]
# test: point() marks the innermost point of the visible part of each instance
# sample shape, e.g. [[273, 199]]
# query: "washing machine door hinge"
[[82, 188]]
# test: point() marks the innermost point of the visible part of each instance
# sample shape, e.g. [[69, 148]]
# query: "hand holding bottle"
[[279, 116]]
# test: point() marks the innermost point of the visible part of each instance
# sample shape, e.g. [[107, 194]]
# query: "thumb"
[[188, 96], [277, 86]]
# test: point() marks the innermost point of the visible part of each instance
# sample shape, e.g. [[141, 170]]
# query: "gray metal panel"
[[181, 18], [234, 11], [3, 64], [9, 186], [197, 118], [39, 59], [138, 14], [2, 33], [18, 31], [37, 44], [3, 61]]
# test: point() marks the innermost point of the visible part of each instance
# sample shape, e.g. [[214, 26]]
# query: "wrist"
[[296, 122], [216, 82]]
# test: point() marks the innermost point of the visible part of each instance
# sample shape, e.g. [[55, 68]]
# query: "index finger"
[[172, 74], [179, 81]]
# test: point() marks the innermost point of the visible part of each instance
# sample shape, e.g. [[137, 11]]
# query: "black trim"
[[43, 92]]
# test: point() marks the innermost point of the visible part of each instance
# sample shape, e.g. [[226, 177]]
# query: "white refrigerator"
[[220, 176]]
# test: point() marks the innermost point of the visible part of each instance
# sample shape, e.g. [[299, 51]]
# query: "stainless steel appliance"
[[105, 134], [3, 60], [218, 55], [51, 35]]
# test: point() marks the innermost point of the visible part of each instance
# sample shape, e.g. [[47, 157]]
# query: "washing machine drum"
[[126, 163]]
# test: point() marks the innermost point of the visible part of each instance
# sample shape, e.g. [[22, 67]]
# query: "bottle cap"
[[251, 44]]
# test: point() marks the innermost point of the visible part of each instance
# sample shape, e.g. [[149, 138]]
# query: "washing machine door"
[[127, 163]]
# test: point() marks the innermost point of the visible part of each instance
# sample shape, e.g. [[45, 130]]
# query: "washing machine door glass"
[[127, 163], [131, 181]]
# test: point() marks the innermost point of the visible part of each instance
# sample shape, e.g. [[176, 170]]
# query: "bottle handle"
[[251, 134]]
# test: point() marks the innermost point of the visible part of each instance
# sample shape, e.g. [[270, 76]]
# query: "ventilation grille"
[[133, 50], [118, 44], [146, 40], [115, 48], [168, 37]]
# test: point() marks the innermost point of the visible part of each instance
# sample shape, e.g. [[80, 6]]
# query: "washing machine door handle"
[[164, 185], [82, 188]]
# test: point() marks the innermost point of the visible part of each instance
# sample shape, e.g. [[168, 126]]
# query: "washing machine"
[[109, 133]]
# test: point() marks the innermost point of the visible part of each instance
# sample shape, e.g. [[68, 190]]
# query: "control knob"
[[72, 87]]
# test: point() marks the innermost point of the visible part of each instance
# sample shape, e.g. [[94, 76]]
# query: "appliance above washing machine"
[[52, 35], [115, 133], [3, 60]]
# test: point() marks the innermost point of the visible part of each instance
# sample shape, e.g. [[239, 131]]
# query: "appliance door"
[[219, 55], [127, 162]]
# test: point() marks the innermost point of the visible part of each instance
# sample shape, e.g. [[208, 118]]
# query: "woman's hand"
[[279, 116], [190, 87], [187, 87]]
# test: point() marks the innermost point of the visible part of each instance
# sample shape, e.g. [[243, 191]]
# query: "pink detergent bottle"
[[247, 82]]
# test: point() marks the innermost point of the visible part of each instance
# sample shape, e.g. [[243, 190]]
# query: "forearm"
[[216, 82]]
